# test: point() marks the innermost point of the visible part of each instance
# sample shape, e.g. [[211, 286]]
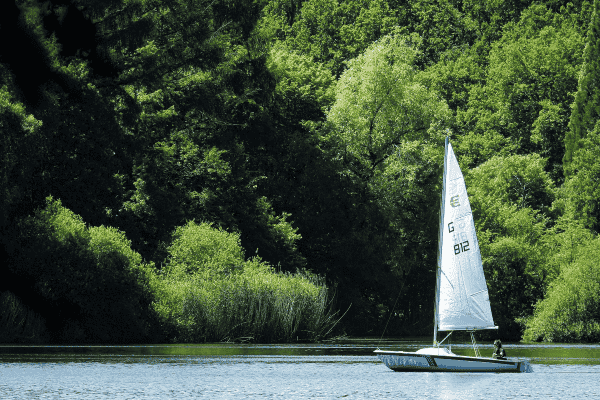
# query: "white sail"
[[463, 296]]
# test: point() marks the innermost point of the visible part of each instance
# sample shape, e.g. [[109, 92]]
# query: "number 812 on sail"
[[460, 247]]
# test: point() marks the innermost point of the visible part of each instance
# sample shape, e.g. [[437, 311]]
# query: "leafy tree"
[[579, 195], [329, 32], [511, 199], [379, 103], [570, 312], [304, 88], [454, 75], [586, 108], [492, 16], [441, 25], [522, 106], [20, 130], [384, 127], [201, 249], [86, 283], [565, 241]]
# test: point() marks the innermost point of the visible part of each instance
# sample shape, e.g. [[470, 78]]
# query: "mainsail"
[[463, 301]]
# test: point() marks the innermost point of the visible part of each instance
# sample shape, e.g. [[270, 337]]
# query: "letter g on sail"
[[454, 201]]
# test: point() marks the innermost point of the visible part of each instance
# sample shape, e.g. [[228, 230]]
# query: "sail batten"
[[463, 300]]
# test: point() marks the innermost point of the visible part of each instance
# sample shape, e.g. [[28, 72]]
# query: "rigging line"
[[390, 317]]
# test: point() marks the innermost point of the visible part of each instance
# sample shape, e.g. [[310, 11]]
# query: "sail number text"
[[459, 247]]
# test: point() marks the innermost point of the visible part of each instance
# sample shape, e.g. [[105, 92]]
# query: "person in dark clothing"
[[499, 352]]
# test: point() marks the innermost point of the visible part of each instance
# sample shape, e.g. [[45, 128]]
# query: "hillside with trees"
[[202, 170]]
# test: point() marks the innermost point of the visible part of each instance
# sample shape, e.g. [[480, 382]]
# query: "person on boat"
[[499, 352]]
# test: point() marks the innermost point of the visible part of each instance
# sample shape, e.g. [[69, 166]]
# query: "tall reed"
[[18, 324], [208, 292], [255, 305]]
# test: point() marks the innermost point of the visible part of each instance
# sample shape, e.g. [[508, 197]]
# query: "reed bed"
[[207, 292], [256, 305]]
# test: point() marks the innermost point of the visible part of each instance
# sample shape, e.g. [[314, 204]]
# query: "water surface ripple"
[[286, 372]]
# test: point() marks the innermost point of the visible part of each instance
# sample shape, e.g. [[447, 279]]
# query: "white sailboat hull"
[[446, 361], [461, 295]]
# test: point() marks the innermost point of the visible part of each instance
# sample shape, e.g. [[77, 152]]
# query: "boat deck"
[[445, 361]]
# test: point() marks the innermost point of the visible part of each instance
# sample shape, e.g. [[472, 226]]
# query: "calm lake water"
[[326, 371]]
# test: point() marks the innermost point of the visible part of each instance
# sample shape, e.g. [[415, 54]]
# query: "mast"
[[440, 242]]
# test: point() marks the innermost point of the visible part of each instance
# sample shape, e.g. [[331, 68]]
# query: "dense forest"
[[192, 170]]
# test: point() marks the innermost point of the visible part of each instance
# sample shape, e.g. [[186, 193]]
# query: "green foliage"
[[442, 26], [19, 131], [179, 179], [379, 103], [586, 108], [312, 131], [494, 14], [304, 87], [565, 243], [208, 292], [523, 105], [515, 182], [570, 312], [332, 31], [94, 287], [579, 195], [201, 249], [18, 324], [454, 75], [511, 198]]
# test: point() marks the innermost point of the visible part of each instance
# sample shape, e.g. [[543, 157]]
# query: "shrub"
[[203, 249], [224, 298], [571, 310], [90, 285]]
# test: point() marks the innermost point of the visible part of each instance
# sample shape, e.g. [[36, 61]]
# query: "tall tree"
[[522, 105], [386, 130], [586, 108], [511, 199]]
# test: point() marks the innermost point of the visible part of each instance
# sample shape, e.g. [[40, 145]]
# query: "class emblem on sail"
[[461, 296]]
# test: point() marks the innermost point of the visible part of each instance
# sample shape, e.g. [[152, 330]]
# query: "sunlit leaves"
[[511, 198], [571, 309], [379, 103], [304, 87], [532, 71], [209, 291], [442, 26], [517, 180], [580, 193], [586, 108], [202, 249], [329, 32], [91, 274]]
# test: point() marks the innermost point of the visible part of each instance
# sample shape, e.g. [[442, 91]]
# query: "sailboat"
[[461, 295]]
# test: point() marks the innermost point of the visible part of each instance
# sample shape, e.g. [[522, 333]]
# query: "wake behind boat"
[[461, 295]]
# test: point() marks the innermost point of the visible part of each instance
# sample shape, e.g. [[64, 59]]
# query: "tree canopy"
[[291, 150]]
